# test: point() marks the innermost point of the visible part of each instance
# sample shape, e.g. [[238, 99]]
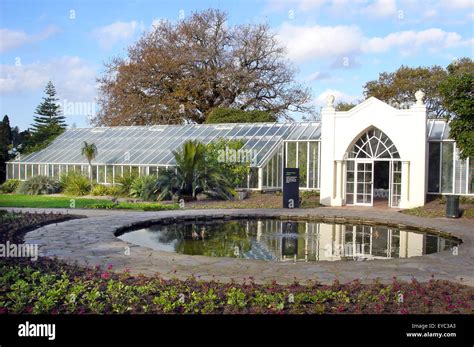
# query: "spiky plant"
[[193, 174], [89, 150]]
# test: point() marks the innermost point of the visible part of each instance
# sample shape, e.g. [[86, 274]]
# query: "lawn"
[[437, 209], [257, 200], [44, 201]]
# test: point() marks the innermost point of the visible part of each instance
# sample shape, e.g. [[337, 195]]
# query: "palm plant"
[[89, 150], [193, 174]]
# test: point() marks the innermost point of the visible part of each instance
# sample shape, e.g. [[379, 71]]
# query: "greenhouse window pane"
[[291, 155], [23, 169], [437, 130], [34, 170], [447, 168], [109, 170], [303, 163], [253, 177], [94, 173], [296, 133], [313, 165], [470, 179], [460, 178], [63, 169], [308, 133], [434, 162], [265, 175], [56, 171], [101, 174], [153, 170], [126, 170], [275, 170], [9, 171]]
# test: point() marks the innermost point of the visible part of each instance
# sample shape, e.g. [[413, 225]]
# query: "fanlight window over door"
[[374, 144]]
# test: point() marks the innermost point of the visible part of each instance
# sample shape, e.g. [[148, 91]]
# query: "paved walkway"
[[92, 241]]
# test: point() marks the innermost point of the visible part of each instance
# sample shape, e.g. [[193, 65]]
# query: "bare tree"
[[180, 72]]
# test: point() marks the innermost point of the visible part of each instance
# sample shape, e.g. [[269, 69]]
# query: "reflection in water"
[[276, 240]]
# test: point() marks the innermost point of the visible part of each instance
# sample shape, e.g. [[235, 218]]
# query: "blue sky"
[[335, 45]]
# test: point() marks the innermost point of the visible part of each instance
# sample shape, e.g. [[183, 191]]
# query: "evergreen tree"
[[48, 112], [458, 97], [5, 142], [49, 122]]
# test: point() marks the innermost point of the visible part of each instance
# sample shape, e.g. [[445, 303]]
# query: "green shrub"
[[100, 190], [135, 206], [144, 188], [39, 185], [466, 200], [103, 205], [76, 184], [125, 183], [159, 207], [114, 190], [9, 186], [307, 194], [232, 115]]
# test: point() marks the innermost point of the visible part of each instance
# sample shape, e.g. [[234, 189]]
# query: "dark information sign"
[[291, 187]]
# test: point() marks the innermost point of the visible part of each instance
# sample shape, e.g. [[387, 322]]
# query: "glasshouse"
[[373, 153]]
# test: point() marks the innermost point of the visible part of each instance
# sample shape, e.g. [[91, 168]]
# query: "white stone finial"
[[330, 100], [419, 95]]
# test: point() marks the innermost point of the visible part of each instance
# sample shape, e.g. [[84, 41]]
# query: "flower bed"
[[49, 287]]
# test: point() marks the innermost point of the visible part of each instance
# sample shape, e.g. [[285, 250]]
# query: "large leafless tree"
[[179, 72]]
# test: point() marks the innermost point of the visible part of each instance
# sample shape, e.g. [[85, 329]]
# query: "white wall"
[[407, 130]]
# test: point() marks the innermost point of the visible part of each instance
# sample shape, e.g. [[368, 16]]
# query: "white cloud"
[[313, 42], [433, 39], [430, 14], [305, 43], [304, 5], [73, 77], [318, 76], [11, 39], [458, 4], [111, 34], [381, 8], [309, 4], [339, 96]]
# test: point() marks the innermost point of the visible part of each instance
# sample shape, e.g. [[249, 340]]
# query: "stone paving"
[[92, 241]]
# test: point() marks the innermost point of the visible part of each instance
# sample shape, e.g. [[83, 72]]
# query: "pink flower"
[[109, 267], [105, 275]]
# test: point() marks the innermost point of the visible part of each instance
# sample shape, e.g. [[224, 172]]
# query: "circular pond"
[[278, 240]]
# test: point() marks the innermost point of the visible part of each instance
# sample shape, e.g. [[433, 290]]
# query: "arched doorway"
[[373, 170]]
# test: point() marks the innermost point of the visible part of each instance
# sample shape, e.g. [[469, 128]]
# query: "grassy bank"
[[45, 201]]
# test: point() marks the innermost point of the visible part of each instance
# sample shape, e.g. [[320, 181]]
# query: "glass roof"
[[141, 145], [437, 129]]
